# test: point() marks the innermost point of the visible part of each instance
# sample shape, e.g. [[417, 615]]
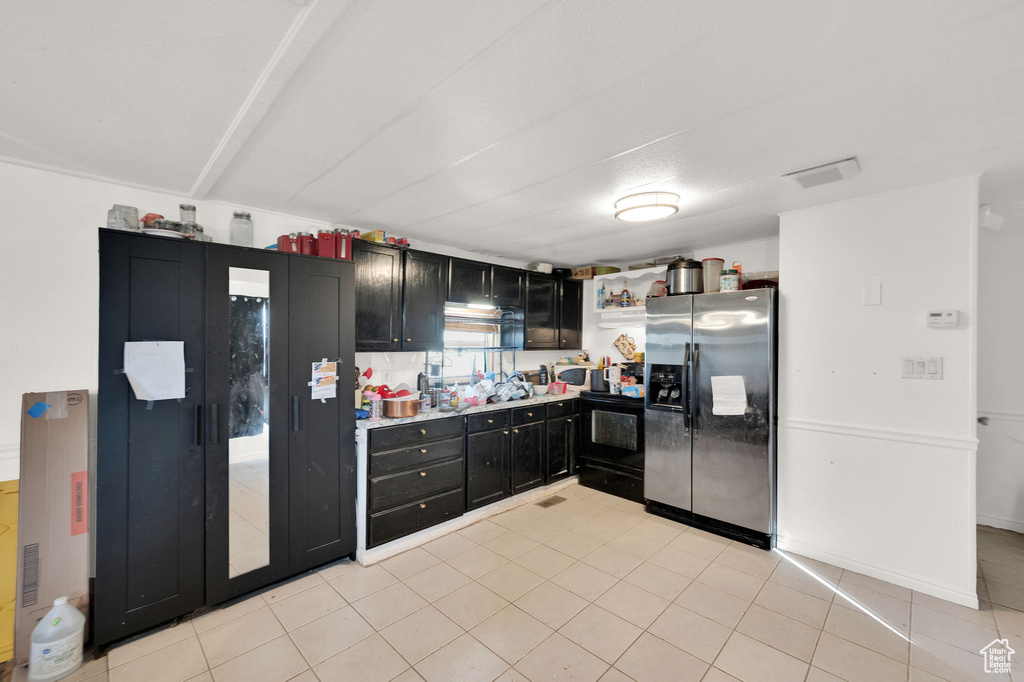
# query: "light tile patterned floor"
[[614, 595]]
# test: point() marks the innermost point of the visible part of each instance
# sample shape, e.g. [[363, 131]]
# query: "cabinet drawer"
[[390, 461], [525, 415], [562, 408], [394, 437], [398, 489], [487, 421], [396, 523]]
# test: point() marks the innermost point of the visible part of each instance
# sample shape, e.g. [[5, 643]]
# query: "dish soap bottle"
[[57, 643]]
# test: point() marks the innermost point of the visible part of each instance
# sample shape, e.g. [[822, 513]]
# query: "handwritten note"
[[155, 369], [728, 395]]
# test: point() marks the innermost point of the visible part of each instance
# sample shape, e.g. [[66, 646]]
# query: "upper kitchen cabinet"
[[378, 293], [426, 275], [570, 316], [507, 286], [469, 281], [541, 318]]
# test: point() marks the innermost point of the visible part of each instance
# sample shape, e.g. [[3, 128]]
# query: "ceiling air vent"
[[824, 174]]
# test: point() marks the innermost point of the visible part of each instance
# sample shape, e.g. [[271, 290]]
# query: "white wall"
[[1000, 372], [877, 473]]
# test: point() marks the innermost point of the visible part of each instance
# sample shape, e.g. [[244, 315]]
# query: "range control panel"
[[921, 368]]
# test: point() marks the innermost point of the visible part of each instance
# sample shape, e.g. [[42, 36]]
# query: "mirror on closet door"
[[249, 421]]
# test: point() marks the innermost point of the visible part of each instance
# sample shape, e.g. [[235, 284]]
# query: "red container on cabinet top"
[[343, 242], [288, 243], [307, 244], [326, 243]]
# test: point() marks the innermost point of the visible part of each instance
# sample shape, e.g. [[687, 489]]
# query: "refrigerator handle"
[[686, 390], [696, 385]]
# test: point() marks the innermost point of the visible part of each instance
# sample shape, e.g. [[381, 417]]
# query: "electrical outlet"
[[388, 377], [921, 368]]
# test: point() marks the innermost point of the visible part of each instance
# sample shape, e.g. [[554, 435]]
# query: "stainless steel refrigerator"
[[710, 412]]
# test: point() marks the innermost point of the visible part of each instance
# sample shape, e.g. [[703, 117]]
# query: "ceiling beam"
[[313, 22]]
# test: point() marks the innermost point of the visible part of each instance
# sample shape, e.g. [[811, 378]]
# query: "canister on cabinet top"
[[307, 244], [288, 243], [343, 244], [326, 243], [729, 280]]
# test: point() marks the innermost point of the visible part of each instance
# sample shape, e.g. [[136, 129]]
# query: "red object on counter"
[[307, 244], [288, 243], [326, 243]]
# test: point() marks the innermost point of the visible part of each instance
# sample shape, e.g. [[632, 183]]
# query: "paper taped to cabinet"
[[325, 380], [728, 395], [155, 369]]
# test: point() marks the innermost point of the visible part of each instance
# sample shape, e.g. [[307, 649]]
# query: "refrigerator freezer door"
[[733, 433], [667, 453]]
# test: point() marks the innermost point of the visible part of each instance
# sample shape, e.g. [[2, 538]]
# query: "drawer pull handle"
[[423, 450], [395, 340], [408, 339], [569, 420], [423, 432], [490, 421], [506, 432], [529, 414], [515, 430], [423, 473], [423, 506], [560, 404]]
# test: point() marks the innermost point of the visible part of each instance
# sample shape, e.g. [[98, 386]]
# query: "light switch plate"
[[872, 294], [920, 368]]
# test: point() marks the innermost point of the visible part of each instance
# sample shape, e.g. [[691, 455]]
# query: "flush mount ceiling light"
[[646, 206]]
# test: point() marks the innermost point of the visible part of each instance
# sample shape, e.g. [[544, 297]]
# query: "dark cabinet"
[[487, 466], [541, 316], [423, 301], [149, 457], [570, 315], [247, 479], [321, 457], [469, 281], [527, 456], [507, 286], [378, 296], [561, 447]]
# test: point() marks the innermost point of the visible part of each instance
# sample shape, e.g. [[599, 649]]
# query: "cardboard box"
[[375, 236], [53, 519], [583, 273]]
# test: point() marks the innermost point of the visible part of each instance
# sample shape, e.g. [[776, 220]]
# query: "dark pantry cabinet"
[[175, 486]]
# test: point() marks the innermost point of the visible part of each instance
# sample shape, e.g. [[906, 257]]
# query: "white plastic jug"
[[57, 643]]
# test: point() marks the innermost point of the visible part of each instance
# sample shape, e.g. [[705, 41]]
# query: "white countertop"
[[365, 424]]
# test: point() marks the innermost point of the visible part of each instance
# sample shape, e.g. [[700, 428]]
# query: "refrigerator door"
[[733, 406], [667, 453]]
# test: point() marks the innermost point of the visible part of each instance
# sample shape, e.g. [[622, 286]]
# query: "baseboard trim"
[[893, 435], [1004, 524], [968, 599], [368, 557], [1002, 415]]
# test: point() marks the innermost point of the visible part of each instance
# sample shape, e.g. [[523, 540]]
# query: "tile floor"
[[592, 588]]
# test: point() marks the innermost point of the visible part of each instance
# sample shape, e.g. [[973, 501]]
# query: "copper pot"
[[401, 407]]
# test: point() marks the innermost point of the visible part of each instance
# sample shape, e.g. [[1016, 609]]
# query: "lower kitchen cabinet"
[[561, 446], [487, 467], [527, 457]]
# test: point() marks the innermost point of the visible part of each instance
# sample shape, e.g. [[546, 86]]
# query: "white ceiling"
[[510, 128]]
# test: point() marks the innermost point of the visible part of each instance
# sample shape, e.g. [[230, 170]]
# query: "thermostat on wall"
[[942, 319]]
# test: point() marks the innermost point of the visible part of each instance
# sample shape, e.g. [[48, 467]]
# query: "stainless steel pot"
[[684, 276]]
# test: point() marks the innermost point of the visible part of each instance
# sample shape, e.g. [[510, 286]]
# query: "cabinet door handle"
[[423, 432], [423, 506], [423, 473], [529, 341], [564, 341], [515, 430], [506, 432], [569, 420], [199, 425], [395, 340], [409, 340], [423, 451], [295, 413], [214, 425]]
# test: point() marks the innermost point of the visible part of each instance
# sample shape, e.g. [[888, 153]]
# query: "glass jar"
[[188, 213], [241, 229], [200, 235]]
